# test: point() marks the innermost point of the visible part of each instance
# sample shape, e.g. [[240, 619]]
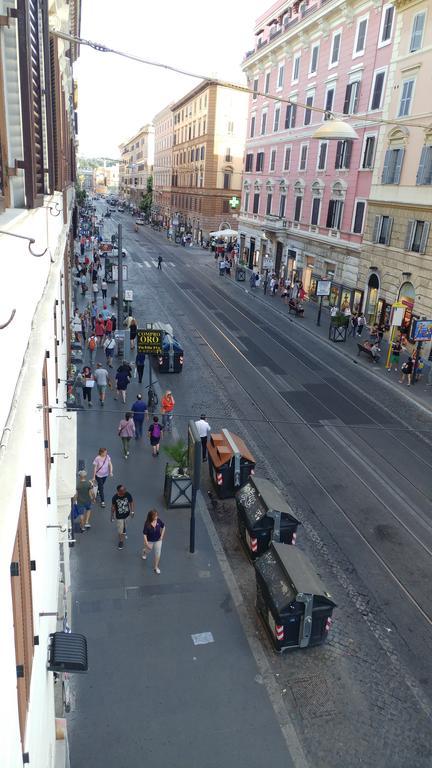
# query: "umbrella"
[[224, 233]]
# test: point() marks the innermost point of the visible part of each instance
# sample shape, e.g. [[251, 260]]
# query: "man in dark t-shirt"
[[122, 506]]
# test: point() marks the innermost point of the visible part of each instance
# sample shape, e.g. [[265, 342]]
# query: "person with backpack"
[[92, 345], [109, 347], [155, 434]]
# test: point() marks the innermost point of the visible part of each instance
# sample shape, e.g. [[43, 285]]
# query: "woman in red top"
[[108, 327], [100, 329]]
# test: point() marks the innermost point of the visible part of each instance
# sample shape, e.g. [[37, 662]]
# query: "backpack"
[[92, 343], [156, 430]]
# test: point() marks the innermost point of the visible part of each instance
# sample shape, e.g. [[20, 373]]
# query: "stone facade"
[[162, 171], [136, 164]]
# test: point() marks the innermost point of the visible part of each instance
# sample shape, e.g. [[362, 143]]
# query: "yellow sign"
[[149, 342]]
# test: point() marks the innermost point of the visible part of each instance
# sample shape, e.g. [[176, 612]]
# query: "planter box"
[[177, 490], [338, 332]]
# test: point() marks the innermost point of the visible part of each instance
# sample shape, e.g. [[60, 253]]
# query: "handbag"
[[89, 383]]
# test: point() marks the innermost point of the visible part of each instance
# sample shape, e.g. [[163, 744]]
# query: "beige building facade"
[[162, 170], [396, 258], [136, 164], [209, 125]]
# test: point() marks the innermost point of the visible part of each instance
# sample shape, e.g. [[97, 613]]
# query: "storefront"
[[340, 296], [407, 298]]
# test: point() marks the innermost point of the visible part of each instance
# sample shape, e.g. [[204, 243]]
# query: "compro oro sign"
[[149, 342], [323, 288]]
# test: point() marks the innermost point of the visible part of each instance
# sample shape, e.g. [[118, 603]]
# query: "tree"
[[147, 199], [80, 195]]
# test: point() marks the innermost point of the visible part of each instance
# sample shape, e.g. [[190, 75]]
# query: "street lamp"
[[335, 129]]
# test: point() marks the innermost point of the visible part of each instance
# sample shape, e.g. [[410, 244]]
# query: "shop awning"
[[224, 233]]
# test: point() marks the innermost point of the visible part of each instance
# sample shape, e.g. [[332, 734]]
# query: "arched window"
[[317, 188]]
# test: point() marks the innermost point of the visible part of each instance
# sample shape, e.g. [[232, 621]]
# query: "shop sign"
[[267, 262], [128, 295], [397, 316], [149, 341], [422, 330], [323, 288]]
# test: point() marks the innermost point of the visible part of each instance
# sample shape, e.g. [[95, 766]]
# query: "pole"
[[390, 346], [119, 280], [192, 522], [150, 382], [319, 311], [416, 361]]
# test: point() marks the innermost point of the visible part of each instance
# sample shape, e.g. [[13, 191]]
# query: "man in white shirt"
[[203, 428]]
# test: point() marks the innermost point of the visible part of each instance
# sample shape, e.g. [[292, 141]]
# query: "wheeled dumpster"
[[263, 515], [230, 462], [291, 599]]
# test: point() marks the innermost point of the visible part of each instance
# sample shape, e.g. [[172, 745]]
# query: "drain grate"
[[313, 696]]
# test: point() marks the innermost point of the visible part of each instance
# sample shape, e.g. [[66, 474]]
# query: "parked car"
[[139, 221], [120, 209], [114, 252]]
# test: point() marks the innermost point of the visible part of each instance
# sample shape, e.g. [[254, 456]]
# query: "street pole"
[[390, 346], [192, 522], [119, 280], [319, 311], [416, 361]]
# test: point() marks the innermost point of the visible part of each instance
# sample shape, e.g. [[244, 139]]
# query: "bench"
[[292, 307], [365, 347]]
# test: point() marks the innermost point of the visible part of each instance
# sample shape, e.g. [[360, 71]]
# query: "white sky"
[[117, 96]]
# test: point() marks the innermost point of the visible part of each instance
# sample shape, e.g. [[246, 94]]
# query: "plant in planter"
[[340, 320], [178, 451], [178, 484]]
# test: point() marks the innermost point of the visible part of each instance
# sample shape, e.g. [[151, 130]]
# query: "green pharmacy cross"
[[234, 201]]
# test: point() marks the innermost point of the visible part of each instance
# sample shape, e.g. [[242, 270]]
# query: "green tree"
[[80, 195], [147, 199]]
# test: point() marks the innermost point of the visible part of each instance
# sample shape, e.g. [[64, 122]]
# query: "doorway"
[[279, 249], [251, 253]]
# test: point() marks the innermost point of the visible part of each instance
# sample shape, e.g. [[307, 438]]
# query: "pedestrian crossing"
[[164, 263]]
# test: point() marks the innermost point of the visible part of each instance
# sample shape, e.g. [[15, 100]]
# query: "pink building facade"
[[304, 201]]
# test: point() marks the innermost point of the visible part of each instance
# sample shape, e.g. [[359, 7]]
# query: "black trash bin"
[[230, 463], [263, 515], [291, 598]]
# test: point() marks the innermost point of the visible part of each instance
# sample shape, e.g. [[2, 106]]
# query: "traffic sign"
[[149, 341]]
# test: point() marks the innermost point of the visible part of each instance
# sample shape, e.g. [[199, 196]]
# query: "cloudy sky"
[[117, 96]]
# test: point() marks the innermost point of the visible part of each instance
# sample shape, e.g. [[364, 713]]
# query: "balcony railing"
[[305, 10]]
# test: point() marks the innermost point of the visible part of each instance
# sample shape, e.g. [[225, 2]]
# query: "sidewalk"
[[151, 696]]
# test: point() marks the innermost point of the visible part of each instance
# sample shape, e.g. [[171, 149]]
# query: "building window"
[[406, 98], [267, 83], [227, 181], [269, 203], [334, 214], [322, 156], [352, 93], [263, 123], [276, 119], [335, 49], [316, 207], [368, 152], [202, 153], [272, 160], [329, 99], [287, 159], [377, 90], [303, 157], [282, 205], [417, 31], [255, 89], [228, 155], [249, 163], [230, 128], [259, 166], [256, 202], [308, 112], [359, 212], [252, 126], [297, 207], [387, 17], [424, 173], [360, 39], [382, 230], [246, 201], [417, 236], [296, 68], [392, 166], [343, 154], [280, 77], [314, 60], [290, 115]]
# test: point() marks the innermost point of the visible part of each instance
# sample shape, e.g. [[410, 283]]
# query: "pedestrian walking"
[[84, 497], [155, 434], [361, 322], [139, 363], [95, 289], [252, 281], [109, 347], [153, 533], [167, 410], [91, 346], [160, 260], [100, 330], [203, 428], [265, 282], [133, 330], [126, 430], [122, 507], [102, 468], [75, 288], [79, 389], [108, 328], [406, 371], [396, 349], [273, 286], [353, 326], [88, 384], [104, 288], [140, 412], [102, 380]]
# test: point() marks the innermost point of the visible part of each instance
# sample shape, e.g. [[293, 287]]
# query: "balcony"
[[304, 10]]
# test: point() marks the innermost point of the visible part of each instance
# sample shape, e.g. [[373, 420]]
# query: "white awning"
[[224, 233]]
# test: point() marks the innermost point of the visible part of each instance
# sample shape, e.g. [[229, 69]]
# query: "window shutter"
[[338, 154], [347, 99], [376, 228], [49, 159], [348, 152], [389, 230], [398, 166], [31, 100], [357, 86], [420, 179], [387, 158], [409, 234], [330, 214], [55, 108], [294, 115], [424, 237]]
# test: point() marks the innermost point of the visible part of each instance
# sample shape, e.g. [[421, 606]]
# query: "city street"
[[352, 455]]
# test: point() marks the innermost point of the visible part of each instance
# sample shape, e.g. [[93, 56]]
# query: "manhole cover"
[[313, 696]]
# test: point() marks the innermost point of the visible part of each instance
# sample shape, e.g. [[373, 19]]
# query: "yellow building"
[[136, 164]]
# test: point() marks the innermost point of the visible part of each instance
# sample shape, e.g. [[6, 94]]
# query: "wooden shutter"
[[398, 166], [347, 98], [376, 229], [385, 173], [424, 237], [348, 152], [389, 230], [409, 234], [421, 173], [338, 154], [330, 214], [357, 86], [55, 112], [31, 100], [49, 159]]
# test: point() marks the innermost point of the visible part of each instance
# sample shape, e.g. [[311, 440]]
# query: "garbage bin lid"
[[221, 452], [258, 496], [288, 573]]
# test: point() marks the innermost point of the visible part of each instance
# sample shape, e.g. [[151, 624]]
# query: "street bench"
[[293, 307], [366, 348]]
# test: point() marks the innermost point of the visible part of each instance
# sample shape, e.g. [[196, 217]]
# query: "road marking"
[[171, 263], [154, 263], [147, 263]]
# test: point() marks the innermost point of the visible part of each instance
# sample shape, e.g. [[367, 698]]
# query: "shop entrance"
[[372, 299], [407, 298], [279, 249], [251, 253]]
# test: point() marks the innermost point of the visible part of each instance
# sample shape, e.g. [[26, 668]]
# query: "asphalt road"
[[348, 454]]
